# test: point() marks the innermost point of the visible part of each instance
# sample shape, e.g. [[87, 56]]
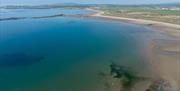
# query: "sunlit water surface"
[[74, 50]]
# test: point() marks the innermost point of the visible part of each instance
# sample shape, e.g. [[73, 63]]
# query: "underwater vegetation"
[[18, 59], [128, 78]]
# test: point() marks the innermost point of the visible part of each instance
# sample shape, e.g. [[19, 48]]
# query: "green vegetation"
[[127, 77], [170, 14]]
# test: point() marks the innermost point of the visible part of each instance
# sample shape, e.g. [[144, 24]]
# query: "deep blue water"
[[74, 51]]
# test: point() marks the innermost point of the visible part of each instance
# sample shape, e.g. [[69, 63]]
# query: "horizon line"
[[91, 4]]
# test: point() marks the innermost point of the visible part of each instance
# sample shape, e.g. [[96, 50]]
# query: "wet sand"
[[163, 51], [171, 29]]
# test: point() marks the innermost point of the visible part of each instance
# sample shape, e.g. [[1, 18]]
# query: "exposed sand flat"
[[163, 52], [165, 27], [140, 21], [168, 46], [174, 48], [166, 64]]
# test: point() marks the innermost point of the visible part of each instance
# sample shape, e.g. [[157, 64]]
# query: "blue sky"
[[4, 2]]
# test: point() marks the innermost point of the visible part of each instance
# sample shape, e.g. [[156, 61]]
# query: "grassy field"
[[165, 13], [156, 13]]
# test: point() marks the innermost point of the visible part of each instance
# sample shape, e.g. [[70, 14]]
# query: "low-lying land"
[[167, 14], [163, 50]]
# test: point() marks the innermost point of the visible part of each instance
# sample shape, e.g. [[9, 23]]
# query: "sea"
[[66, 53]]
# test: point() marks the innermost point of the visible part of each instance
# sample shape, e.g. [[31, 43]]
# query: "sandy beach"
[[163, 52], [164, 27]]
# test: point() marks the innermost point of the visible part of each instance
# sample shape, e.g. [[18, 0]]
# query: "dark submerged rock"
[[128, 78], [18, 59], [159, 85], [12, 18], [51, 16]]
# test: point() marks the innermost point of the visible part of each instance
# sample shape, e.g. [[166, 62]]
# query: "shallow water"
[[7, 13], [74, 51]]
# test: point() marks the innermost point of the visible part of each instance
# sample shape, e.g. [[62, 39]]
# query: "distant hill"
[[169, 5], [76, 5]]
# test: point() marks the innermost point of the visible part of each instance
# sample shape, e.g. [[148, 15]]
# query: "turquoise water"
[[7, 13], [74, 51]]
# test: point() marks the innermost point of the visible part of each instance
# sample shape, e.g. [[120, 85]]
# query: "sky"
[[38, 2]]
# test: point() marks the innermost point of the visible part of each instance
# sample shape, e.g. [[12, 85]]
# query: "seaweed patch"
[[128, 78], [18, 59], [121, 78]]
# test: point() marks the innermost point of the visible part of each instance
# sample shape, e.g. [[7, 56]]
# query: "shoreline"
[[164, 27], [162, 52]]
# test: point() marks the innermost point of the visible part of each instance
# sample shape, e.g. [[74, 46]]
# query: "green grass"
[[144, 12]]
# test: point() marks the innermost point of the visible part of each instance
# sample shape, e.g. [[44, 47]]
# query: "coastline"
[[164, 27], [162, 52]]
